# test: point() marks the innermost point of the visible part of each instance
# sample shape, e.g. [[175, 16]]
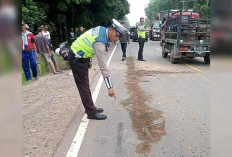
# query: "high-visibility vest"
[[141, 34], [83, 46]]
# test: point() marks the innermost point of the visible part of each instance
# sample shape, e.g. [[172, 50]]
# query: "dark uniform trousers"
[[81, 76], [123, 46], [141, 45]]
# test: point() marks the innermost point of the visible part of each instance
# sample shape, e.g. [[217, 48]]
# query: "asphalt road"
[[161, 110]]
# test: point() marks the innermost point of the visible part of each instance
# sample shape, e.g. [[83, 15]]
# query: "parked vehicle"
[[132, 31], [185, 34], [154, 33]]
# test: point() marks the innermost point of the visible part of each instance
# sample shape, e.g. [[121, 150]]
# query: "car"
[[132, 30], [155, 31]]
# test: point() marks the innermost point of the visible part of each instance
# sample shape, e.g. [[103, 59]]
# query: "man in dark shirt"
[[77, 33], [42, 45], [124, 39], [81, 30]]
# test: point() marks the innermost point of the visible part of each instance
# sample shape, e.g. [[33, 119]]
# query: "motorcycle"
[[63, 50]]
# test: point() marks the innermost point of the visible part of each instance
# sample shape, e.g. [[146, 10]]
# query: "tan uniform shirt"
[[100, 50]]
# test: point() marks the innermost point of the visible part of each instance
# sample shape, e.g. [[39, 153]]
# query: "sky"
[[136, 10]]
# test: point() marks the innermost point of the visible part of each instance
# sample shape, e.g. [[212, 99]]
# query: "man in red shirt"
[[29, 53]]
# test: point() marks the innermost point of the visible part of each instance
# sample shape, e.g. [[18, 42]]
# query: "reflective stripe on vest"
[[89, 44]]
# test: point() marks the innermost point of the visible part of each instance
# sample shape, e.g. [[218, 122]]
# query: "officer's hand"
[[90, 65], [111, 93]]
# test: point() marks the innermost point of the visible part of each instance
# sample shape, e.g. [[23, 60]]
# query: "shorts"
[[45, 55]]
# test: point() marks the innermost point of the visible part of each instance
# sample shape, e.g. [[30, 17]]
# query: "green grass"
[[61, 64]]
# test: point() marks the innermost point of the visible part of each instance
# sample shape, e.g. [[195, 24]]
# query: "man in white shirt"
[[46, 33]]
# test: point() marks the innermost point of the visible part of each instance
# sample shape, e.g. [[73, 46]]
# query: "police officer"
[[93, 42], [141, 38]]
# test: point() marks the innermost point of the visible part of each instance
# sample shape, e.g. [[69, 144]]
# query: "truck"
[[185, 34]]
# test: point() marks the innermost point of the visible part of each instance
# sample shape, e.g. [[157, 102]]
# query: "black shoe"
[[97, 116], [141, 59], [60, 71], [123, 58], [99, 110]]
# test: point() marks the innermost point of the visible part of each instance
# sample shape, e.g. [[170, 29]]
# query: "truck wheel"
[[164, 54], [172, 59], [207, 59]]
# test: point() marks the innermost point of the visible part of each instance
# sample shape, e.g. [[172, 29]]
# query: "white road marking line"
[[158, 49], [76, 143]]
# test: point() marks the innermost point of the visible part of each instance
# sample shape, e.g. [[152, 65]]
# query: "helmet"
[[57, 51], [119, 28], [63, 51]]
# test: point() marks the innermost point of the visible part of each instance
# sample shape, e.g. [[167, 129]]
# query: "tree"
[[64, 14], [147, 23], [203, 6], [127, 23], [32, 14]]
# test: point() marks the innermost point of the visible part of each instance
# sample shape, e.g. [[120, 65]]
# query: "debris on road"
[[142, 116]]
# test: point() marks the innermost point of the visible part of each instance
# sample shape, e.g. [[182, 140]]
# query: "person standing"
[[124, 39], [81, 30], [28, 51], [77, 33], [46, 33], [72, 35], [93, 42], [141, 38], [42, 45]]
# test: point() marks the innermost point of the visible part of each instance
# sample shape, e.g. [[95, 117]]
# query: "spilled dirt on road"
[[143, 117]]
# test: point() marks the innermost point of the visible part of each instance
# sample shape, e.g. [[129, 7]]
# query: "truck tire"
[[207, 59], [164, 54], [172, 59]]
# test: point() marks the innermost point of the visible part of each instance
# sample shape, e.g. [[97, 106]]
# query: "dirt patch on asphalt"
[[148, 123]]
